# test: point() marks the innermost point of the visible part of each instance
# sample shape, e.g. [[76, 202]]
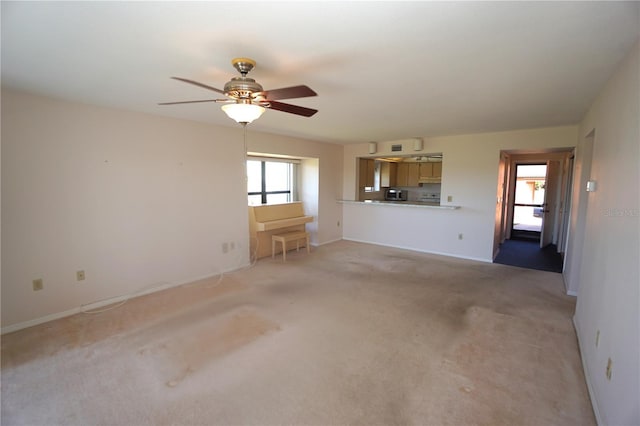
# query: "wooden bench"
[[287, 237]]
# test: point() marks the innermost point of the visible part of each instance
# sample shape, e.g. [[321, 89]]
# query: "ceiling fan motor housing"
[[241, 87]]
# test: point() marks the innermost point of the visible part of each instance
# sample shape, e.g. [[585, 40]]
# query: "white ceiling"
[[382, 70]]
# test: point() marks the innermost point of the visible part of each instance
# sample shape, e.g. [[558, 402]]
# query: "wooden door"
[[551, 201]]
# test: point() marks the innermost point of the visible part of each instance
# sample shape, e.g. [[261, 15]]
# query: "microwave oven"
[[395, 194]]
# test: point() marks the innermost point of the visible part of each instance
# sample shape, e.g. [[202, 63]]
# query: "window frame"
[[263, 179]]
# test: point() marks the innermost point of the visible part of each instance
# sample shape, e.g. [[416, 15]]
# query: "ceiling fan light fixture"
[[243, 113], [248, 99]]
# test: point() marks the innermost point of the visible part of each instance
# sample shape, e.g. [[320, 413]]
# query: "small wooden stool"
[[285, 238]]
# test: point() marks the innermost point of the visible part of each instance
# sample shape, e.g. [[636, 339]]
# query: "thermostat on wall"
[[591, 185]]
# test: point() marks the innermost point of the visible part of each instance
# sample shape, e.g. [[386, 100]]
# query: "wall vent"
[[396, 148]]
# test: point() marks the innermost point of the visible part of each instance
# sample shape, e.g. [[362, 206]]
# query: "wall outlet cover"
[[38, 284]]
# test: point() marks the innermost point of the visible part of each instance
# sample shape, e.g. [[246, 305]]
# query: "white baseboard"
[[594, 403], [105, 302], [477, 259], [326, 242], [26, 324]]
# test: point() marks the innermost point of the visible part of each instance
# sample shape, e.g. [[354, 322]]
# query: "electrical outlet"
[[232, 245], [80, 275], [597, 338], [449, 198], [609, 368], [38, 284], [460, 236], [225, 247]]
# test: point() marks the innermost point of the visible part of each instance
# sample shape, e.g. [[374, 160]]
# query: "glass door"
[[529, 199]]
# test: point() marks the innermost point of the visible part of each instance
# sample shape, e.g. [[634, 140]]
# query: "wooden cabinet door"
[[366, 172], [362, 172], [388, 174], [403, 174], [426, 170], [437, 170], [393, 174], [414, 174]]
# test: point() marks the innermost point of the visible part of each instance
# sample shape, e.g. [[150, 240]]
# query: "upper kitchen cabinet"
[[367, 171], [388, 174], [430, 172], [408, 174]]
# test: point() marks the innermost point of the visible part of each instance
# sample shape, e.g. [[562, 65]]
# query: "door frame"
[[512, 189], [506, 186], [552, 205]]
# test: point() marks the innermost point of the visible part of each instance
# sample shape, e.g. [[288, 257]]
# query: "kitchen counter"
[[419, 204]]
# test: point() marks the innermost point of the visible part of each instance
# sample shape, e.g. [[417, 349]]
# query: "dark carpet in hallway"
[[527, 253]]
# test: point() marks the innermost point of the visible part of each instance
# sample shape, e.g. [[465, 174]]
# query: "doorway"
[[533, 190], [528, 206]]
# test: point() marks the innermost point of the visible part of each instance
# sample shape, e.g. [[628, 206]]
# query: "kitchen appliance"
[[395, 194], [430, 198]]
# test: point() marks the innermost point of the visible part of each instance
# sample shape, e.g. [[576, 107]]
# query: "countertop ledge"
[[401, 204]]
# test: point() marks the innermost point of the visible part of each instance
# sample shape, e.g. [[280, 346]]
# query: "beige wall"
[[138, 202], [469, 176], [608, 231]]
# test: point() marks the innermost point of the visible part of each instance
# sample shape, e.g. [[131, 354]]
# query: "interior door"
[[498, 231], [551, 200]]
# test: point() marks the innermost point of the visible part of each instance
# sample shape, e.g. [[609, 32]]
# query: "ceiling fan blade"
[[186, 80], [293, 109], [287, 93], [189, 102]]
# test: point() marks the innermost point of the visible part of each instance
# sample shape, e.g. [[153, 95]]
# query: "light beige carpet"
[[351, 334]]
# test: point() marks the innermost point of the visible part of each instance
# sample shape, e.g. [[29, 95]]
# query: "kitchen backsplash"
[[426, 192]]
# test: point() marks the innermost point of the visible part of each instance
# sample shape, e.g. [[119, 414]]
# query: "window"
[[271, 181]]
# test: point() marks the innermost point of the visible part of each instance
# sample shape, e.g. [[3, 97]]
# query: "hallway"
[[526, 253]]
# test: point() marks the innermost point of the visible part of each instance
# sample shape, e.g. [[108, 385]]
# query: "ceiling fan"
[[247, 100]]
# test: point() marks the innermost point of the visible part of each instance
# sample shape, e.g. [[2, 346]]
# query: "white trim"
[[326, 242], [477, 259], [569, 292], [594, 404], [105, 302], [273, 159], [19, 326]]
